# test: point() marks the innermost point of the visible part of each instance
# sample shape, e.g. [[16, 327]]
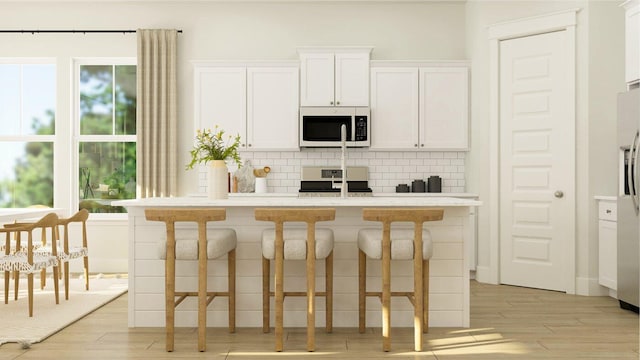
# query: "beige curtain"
[[157, 113]]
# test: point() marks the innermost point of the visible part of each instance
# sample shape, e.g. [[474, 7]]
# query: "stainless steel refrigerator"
[[628, 199]]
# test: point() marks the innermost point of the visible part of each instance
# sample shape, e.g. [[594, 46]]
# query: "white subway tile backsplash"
[[386, 168]]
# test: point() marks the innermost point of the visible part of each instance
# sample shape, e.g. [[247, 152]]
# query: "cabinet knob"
[[249, 145], [337, 102], [415, 145], [421, 145], [559, 194], [330, 102], [608, 211]]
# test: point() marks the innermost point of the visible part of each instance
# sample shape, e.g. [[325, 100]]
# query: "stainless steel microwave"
[[321, 126]]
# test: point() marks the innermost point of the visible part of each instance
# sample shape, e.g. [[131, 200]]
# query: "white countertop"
[[292, 200]]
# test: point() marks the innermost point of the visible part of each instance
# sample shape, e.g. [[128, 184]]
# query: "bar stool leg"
[[311, 299], [231, 274], [266, 308], [418, 296], [425, 288], [386, 287], [279, 287], [329, 292], [202, 287], [170, 287], [362, 291]]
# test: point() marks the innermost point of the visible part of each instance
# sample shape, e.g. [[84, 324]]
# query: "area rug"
[[49, 318]]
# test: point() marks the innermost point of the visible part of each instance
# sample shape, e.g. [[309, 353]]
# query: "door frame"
[[563, 20]]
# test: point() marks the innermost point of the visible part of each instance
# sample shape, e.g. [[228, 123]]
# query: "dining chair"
[[28, 260]]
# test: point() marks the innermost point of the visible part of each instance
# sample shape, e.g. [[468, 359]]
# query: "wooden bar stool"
[[184, 245], [397, 245], [296, 244]]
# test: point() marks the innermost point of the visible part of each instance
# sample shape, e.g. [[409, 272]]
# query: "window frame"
[[77, 138]]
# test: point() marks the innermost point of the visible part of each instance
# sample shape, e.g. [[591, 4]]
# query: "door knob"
[[558, 194]]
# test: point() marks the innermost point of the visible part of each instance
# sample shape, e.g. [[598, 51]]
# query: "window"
[[106, 128], [27, 131]]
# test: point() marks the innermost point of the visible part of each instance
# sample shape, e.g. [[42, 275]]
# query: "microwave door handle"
[[353, 129]]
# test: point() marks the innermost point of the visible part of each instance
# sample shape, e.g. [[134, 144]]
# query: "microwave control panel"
[[361, 127]]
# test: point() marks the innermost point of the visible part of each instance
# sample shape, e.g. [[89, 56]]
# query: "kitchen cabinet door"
[[334, 78], [317, 79], [220, 99], [607, 244], [352, 79], [444, 108], [272, 108], [394, 108], [632, 42]]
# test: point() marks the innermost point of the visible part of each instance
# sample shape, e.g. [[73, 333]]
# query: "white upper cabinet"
[[220, 99], [394, 108], [632, 41], [334, 77], [258, 102], [420, 107], [272, 107], [444, 108]]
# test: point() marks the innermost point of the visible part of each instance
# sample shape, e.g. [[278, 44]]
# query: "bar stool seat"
[[219, 243], [308, 244], [370, 242], [200, 245], [295, 244], [397, 244]]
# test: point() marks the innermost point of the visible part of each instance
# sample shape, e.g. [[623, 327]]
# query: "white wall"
[[599, 45]]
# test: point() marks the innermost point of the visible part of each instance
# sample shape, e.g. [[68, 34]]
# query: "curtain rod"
[[71, 31]]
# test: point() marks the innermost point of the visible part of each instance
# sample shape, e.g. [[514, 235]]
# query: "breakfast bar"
[[449, 275]]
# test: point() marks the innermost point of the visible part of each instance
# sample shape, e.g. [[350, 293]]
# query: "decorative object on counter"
[[246, 179], [434, 184], [418, 186], [402, 188], [210, 146], [261, 179]]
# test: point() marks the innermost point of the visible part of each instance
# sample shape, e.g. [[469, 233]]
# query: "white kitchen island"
[[449, 283]]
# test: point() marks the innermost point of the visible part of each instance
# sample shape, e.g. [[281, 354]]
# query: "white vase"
[[218, 177]]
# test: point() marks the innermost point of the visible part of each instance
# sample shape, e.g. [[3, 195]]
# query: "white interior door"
[[537, 166]]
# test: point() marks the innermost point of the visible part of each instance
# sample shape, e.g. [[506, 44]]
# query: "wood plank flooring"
[[506, 323]]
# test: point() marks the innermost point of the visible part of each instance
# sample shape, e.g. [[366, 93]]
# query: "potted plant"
[[212, 147]]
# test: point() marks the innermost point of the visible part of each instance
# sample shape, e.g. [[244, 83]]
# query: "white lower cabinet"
[[607, 244], [417, 107], [258, 102]]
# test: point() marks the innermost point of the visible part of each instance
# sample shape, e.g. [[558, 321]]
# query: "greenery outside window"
[[27, 132], [106, 135]]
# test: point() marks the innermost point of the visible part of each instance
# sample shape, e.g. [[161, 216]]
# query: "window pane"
[[96, 100], [38, 99], [26, 174], [125, 100], [107, 172], [10, 99], [27, 99]]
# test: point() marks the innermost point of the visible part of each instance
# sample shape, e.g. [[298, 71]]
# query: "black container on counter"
[[418, 186], [402, 188], [434, 184]]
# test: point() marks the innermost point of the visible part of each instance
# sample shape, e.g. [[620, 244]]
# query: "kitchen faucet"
[[343, 164]]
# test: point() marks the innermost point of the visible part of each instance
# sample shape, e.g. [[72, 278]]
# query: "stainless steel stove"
[[322, 181]]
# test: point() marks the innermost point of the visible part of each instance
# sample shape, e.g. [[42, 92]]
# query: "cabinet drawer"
[[607, 211]]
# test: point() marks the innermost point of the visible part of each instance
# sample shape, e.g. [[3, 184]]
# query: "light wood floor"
[[506, 323]]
